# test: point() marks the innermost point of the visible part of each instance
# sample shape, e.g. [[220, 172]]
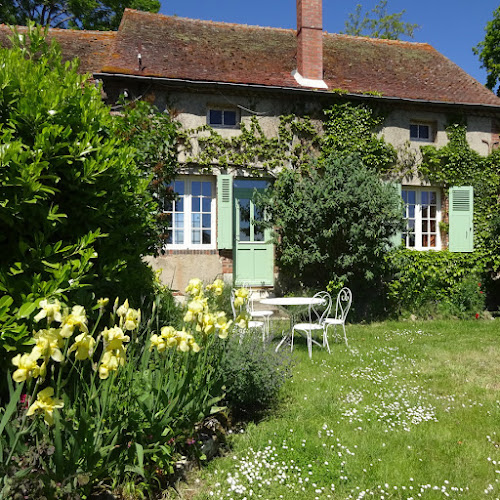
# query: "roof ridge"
[[379, 40], [208, 21]]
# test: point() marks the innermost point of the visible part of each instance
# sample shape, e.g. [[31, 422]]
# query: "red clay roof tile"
[[207, 51]]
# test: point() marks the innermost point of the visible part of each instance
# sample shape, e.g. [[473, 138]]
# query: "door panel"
[[253, 259]]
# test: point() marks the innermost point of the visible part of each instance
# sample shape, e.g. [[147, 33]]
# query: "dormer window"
[[226, 118], [421, 132]]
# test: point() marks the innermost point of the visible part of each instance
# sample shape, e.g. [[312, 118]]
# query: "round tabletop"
[[291, 301]]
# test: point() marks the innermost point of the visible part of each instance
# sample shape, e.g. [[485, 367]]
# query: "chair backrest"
[[344, 299], [319, 312]]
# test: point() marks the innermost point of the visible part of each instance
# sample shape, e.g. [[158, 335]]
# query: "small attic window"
[[421, 132], [227, 118]]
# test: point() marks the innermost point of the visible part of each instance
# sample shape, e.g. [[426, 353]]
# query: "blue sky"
[[452, 27]]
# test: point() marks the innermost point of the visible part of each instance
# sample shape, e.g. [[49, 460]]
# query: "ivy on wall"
[[296, 142]]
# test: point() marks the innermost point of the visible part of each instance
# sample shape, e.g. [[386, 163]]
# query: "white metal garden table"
[[294, 306]]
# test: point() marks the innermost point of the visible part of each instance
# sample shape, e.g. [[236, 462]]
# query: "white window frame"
[[224, 110], [421, 216], [188, 212], [422, 139]]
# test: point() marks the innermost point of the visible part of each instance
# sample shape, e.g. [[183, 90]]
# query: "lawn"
[[408, 410]]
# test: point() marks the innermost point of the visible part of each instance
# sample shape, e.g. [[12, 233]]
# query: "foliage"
[[253, 373], [489, 51], [430, 283], [153, 135], [297, 139], [379, 24], [456, 164], [112, 405], [74, 207], [332, 224], [351, 129], [81, 14]]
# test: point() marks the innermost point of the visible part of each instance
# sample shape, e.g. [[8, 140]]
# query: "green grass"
[[409, 410]]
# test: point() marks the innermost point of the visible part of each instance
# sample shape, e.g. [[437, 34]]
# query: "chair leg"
[[291, 342], [345, 336], [325, 339], [309, 344]]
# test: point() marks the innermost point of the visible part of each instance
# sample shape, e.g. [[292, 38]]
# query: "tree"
[[81, 14], [76, 215], [333, 223], [379, 24], [489, 52]]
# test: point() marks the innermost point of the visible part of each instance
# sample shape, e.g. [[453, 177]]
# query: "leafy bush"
[[430, 283], [333, 224], [75, 208], [253, 373]]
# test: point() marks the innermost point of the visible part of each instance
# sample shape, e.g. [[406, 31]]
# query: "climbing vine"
[[296, 142]]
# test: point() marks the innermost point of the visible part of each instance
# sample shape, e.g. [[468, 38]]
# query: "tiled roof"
[[91, 47], [206, 51], [174, 47]]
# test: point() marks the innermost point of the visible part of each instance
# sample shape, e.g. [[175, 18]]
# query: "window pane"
[[424, 226], [206, 188], [196, 219], [168, 238], [411, 197], [432, 197], [411, 241], [207, 236], [179, 237], [411, 211], [423, 131], [179, 220], [207, 219], [179, 205], [411, 226], [195, 205], [230, 118], [433, 212], [196, 240], [206, 204], [215, 117], [414, 131], [433, 226], [179, 187], [433, 241], [196, 188], [424, 198], [244, 219], [424, 241]]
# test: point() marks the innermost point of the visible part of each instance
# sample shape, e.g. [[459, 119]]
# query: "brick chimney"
[[309, 71]]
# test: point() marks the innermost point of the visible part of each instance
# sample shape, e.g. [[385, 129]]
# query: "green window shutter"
[[396, 239], [224, 212], [461, 204]]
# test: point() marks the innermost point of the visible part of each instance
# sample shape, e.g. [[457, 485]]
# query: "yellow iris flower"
[[83, 346], [46, 404], [50, 310], [48, 344], [77, 318], [195, 288], [27, 367], [217, 287], [111, 360], [114, 338]]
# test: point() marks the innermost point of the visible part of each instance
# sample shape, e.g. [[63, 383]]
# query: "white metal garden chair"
[[260, 314], [344, 300], [317, 315], [252, 324]]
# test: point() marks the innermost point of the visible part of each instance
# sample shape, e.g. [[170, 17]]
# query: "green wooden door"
[[253, 251]]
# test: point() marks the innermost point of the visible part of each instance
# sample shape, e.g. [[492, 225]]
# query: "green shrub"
[[75, 208], [334, 224], [253, 373], [430, 283]]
